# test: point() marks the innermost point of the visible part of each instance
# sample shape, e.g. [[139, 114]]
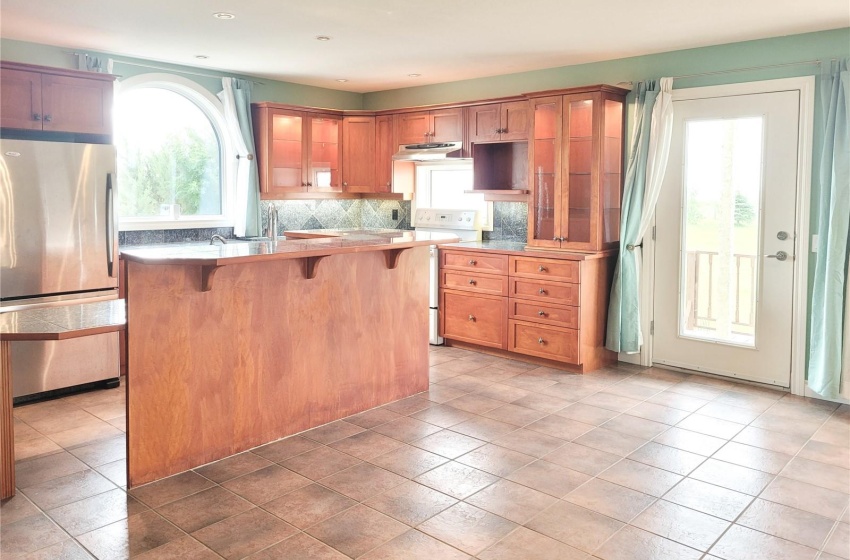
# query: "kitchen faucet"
[[217, 237], [272, 226]]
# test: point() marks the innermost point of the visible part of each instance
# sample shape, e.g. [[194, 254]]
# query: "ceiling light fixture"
[[414, 75], [224, 15], [342, 80], [322, 38]]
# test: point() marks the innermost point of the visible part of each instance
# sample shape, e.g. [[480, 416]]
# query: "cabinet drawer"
[[480, 320], [497, 264], [546, 342], [546, 313], [472, 282], [529, 267], [540, 290]]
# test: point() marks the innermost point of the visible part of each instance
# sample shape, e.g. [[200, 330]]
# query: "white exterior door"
[[725, 240]]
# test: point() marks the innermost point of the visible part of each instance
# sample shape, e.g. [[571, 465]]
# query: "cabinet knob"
[[541, 313], [472, 318], [556, 239], [541, 268], [562, 239], [303, 184], [344, 184], [48, 118], [388, 184], [36, 116], [473, 262], [541, 341], [471, 282], [309, 184], [541, 291]]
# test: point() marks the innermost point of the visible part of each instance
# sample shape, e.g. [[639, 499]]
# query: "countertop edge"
[[481, 247]]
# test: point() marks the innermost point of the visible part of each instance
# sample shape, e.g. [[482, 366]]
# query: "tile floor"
[[499, 460]]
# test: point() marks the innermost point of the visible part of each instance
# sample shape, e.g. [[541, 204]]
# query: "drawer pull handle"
[[472, 262], [471, 282], [472, 318], [541, 341], [541, 268], [541, 291], [541, 313]]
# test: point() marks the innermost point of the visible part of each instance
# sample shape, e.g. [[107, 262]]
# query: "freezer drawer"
[[39, 366]]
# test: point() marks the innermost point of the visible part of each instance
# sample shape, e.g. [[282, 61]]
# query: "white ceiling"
[[377, 43]]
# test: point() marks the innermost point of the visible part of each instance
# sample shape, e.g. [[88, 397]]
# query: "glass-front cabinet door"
[[544, 218], [581, 177], [286, 172], [325, 154]]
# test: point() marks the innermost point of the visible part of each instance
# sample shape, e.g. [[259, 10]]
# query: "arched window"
[[172, 155]]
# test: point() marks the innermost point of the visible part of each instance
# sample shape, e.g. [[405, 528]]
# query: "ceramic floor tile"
[[456, 480], [443, 416], [684, 525], [467, 528], [635, 426], [284, 449], [244, 534], [733, 477], [711, 426], [560, 427], [728, 412], [29, 534], [710, 499], [300, 547], [512, 501], [170, 489], [362, 481], [504, 393], [807, 497], [35, 471], [409, 406], [266, 484], [204, 508], [408, 461], [835, 455], [406, 429], [411, 503], [95, 512], [66, 550], [495, 460], [583, 459], [448, 444], [631, 542], [542, 403], [549, 478], [610, 441], [374, 417], [819, 474], [320, 462], [332, 432], [524, 544], [574, 525], [184, 548], [94, 432], [839, 542], [587, 414], [485, 429], [102, 452], [67, 489], [414, 545], [439, 394], [357, 530], [641, 477], [611, 401], [232, 467], [691, 442], [130, 537], [797, 427], [835, 434], [475, 404], [753, 457], [35, 447], [16, 508], [529, 442], [309, 505], [772, 441], [738, 543], [516, 415], [366, 445], [678, 401], [786, 522], [612, 500]]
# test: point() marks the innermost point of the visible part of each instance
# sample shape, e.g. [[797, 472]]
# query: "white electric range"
[[463, 224]]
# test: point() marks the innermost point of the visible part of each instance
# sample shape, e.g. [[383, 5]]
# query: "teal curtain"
[[830, 283], [241, 90], [623, 334]]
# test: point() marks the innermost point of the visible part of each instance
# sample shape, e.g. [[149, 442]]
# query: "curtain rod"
[[165, 68], [732, 71]]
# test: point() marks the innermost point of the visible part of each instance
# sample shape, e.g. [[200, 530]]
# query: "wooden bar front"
[[267, 352]]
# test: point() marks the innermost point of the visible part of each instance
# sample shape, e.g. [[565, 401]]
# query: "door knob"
[[780, 256]]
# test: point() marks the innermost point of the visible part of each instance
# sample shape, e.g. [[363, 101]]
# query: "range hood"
[[434, 151]]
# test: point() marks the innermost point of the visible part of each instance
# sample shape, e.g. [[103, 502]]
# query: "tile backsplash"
[[509, 220]]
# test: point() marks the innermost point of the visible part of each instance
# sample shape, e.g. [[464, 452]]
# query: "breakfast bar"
[[233, 346]]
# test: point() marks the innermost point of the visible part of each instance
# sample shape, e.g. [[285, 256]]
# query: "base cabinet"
[[552, 307]]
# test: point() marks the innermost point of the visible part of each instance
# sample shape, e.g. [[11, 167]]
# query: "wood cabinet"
[[576, 161], [437, 125], [297, 151], [358, 154], [385, 147], [55, 100], [498, 122], [554, 306]]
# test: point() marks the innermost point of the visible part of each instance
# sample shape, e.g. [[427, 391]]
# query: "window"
[[446, 186], [172, 155]]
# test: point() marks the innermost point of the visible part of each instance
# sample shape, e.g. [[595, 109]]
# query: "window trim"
[[212, 107]]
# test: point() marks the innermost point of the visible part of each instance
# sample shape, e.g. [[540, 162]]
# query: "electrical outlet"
[[395, 214]]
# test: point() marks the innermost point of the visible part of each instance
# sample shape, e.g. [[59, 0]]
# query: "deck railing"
[[702, 285]]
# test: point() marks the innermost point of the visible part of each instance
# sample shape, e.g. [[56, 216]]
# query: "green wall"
[[266, 90]]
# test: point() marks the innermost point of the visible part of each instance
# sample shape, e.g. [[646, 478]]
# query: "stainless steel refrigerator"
[[58, 246]]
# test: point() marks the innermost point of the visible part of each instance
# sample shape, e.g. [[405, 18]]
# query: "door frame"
[[805, 85]]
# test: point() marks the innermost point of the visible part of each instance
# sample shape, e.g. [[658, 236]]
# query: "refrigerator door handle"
[[110, 228]]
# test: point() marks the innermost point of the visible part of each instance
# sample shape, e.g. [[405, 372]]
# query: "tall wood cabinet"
[[358, 154], [437, 125], [55, 100], [576, 169]]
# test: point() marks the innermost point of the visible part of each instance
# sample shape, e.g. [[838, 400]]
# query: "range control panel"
[[445, 219]]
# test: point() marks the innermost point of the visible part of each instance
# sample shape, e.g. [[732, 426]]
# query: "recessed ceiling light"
[[413, 75], [201, 56], [342, 80], [224, 15], [322, 38]]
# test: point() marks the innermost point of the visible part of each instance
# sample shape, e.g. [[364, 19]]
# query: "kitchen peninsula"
[[233, 346]]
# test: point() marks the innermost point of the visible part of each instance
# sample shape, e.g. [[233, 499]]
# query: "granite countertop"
[[65, 321], [521, 248], [250, 251], [340, 232]]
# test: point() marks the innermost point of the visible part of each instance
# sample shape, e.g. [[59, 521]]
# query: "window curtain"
[[829, 293], [236, 98], [644, 175]]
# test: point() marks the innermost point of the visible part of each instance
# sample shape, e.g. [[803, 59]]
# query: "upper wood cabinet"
[[297, 151], [358, 154], [385, 146], [55, 100], [438, 125], [498, 122], [576, 161]]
